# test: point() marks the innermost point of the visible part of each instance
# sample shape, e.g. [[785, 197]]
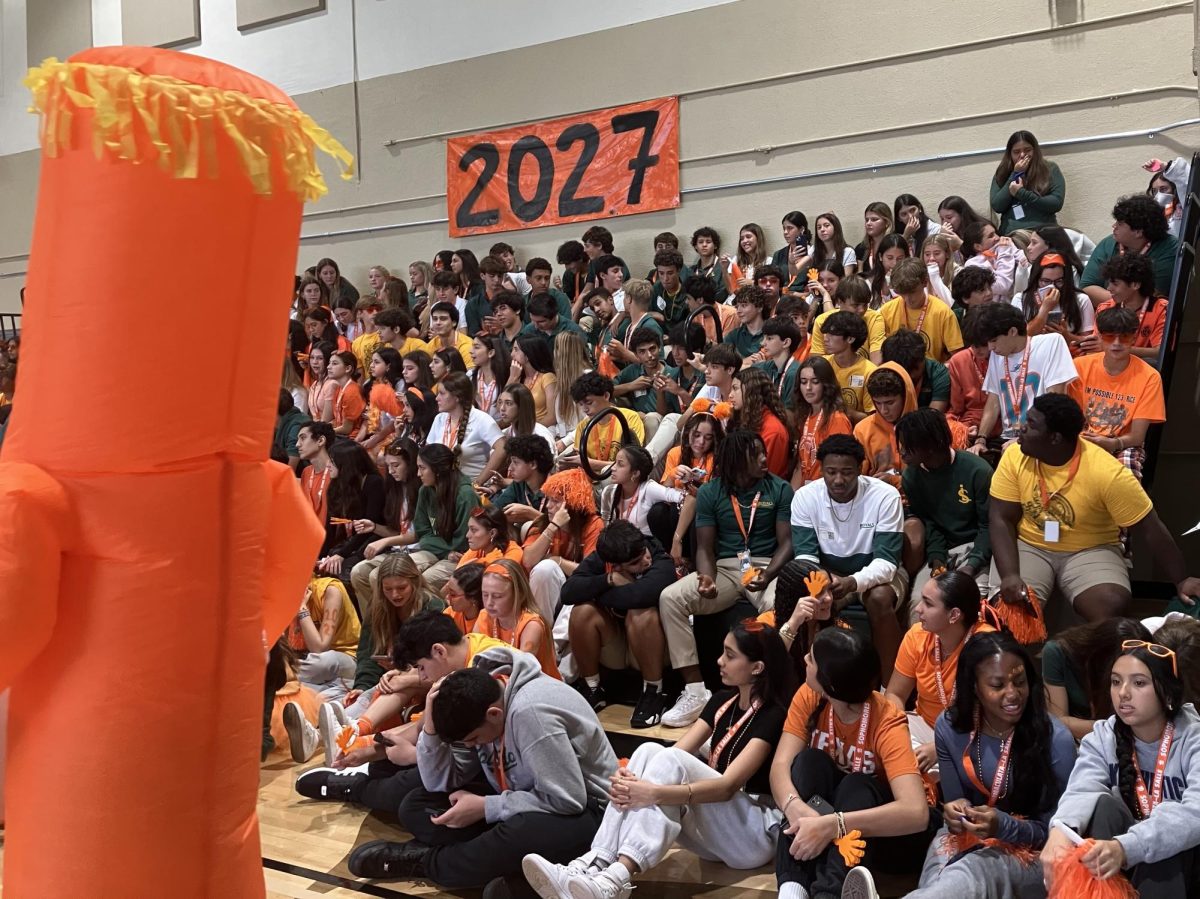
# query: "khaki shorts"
[[899, 585], [1073, 572]]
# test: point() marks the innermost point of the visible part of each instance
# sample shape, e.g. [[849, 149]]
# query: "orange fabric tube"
[[143, 556]]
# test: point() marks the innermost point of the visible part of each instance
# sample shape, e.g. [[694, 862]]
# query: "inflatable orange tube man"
[[146, 544]]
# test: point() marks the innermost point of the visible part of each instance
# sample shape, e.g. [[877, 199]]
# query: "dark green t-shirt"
[[715, 509], [1058, 672], [935, 385]]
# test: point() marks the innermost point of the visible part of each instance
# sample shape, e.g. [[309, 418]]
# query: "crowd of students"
[[879, 462]]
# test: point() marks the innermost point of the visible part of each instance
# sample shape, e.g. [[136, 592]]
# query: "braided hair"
[[459, 386], [1169, 690], [731, 459]]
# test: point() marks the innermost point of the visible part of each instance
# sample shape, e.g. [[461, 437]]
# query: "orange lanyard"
[[737, 513], [606, 440], [921, 317], [626, 507], [1017, 393], [310, 478], [1046, 496], [449, 429], [937, 664], [715, 756], [486, 393], [783, 377], [1147, 803], [860, 745], [993, 793]]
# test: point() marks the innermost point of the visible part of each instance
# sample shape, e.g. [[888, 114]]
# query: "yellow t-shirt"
[[605, 438], [853, 381], [477, 643], [364, 345], [939, 329], [345, 638], [1103, 497], [875, 334], [461, 342]]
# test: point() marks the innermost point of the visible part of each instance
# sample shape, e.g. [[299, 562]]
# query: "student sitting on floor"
[[546, 762], [1004, 763], [1057, 504], [714, 802], [1077, 667], [1133, 789], [613, 598], [329, 649], [488, 539], [844, 764], [947, 612], [743, 538], [381, 772]]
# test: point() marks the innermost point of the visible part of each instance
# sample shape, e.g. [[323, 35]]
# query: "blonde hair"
[[570, 362], [948, 267], [383, 618], [382, 269], [639, 291], [523, 600]]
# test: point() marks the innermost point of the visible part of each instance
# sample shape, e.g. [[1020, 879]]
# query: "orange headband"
[[1049, 259], [498, 570]]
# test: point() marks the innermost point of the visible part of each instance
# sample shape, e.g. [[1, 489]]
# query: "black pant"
[[814, 773], [1177, 877], [470, 857], [663, 519], [386, 786]]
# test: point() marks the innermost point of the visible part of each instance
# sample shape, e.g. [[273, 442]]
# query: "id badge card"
[[1018, 211], [744, 560], [1050, 530]]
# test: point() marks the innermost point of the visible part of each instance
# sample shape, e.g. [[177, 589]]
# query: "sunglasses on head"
[[1155, 649], [1112, 338], [478, 512]]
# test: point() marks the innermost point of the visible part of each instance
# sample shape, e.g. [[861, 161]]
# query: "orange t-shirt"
[[728, 318], [887, 752], [1152, 322], [514, 552], [1110, 403], [349, 405], [560, 543], [673, 463], [813, 435], [803, 350], [467, 627], [775, 438], [489, 626], [915, 660]]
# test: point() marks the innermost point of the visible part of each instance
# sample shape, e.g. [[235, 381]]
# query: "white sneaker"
[[551, 881], [602, 885], [687, 709], [302, 736], [330, 726], [859, 884], [339, 711]]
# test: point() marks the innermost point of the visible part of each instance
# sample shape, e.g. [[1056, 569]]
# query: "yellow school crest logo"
[[962, 495]]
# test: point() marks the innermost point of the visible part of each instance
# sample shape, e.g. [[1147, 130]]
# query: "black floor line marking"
[[367, 889]]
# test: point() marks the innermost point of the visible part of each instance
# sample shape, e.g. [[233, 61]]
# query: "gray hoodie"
[[556, 754], [1174, 825]]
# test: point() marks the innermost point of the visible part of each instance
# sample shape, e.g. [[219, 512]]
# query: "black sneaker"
[[649, 709], [385, 860], [331, 784], [596, 698]]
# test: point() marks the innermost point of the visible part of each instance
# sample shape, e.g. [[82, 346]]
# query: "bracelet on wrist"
[[304, 613]]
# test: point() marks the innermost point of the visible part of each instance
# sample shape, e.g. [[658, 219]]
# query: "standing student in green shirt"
[[750, 303], [780, 339], [950, 492]]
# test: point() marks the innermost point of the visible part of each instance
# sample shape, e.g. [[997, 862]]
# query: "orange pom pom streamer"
[[1023, 619], [954, 843], [573, 488], [750, 574], [1074, 881], [816, 581]]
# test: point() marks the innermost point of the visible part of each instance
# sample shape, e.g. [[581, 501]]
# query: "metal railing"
[[10, 325]]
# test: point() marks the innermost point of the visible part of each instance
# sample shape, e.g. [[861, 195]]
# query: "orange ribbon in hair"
[[499, 570], [1049, 259]]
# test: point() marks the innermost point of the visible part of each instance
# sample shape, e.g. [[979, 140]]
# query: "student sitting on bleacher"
[[1139, 229], [530, 462], [949, 492], [851, 526], [635, 497], [844, 765], [593, 393], [1057, 503], [947, 613], [544, 758], [1130, 282], [1004, 762], [711, 802], [613, 596], [743, 538], [444, 506]]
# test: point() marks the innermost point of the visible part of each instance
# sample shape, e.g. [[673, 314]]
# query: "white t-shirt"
[[618, 299], [482, 434], [647, 495], [1049, 365], [539, 430], [860, 539], [1087, 312], [848, 257]]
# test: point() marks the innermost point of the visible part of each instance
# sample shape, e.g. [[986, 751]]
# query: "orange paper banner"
[[616, 161]]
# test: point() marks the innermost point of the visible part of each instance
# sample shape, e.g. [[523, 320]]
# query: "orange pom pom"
[[573, 488], [1073, 881], [1023, 619]]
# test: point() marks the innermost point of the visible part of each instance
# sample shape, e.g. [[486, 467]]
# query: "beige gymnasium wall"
[[843, 83]]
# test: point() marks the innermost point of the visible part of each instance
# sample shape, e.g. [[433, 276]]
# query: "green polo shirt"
[[715, 509], [742, 340], [692, 385], [519, 492], [564, 324], [784, 381], [1161, 254], [674, 309], [935, 385], [641, 400]]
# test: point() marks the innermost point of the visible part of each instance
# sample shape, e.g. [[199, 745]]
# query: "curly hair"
[[1141, 213], [758, 398]]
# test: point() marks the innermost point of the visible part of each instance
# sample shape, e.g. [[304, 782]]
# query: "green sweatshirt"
[[952, 503], [1037, 209], [425, 519]]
